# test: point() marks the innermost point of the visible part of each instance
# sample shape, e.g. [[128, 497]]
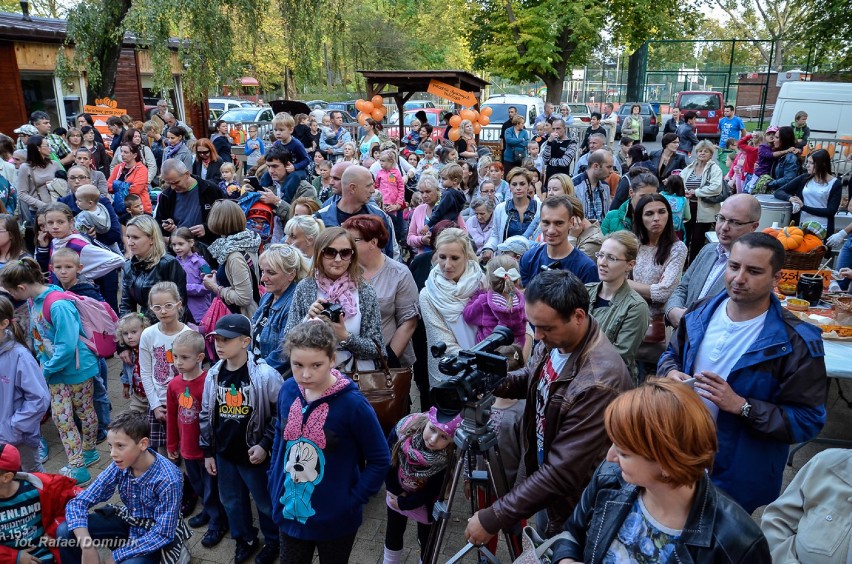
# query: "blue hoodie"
[[316, 480], [64, 358], [24, 397]]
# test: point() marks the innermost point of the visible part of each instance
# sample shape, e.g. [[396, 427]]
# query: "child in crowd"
[[237, 134], [198, 297], [495, 173], [96, 260], [452, 200], [68, 365], [429, 160], [31, 509], [156, 355], [329, 447], [502, 304], [282, 126], [228, 184], [237, 430], [150, 488], [421, 450], [412, 139], [748, 145], [534, 152], [322, 183], [134, 205], [736, 172], [392, 187], [673, 190], [448, 157], [24, 396], [535, 178], [183, 406], [130, 328], [375, 152], [254, 147], [801, 131], [93, 215]]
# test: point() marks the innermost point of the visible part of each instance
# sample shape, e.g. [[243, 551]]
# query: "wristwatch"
[[745, 409]]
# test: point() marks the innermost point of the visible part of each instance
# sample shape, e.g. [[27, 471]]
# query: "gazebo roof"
[[418, 80]]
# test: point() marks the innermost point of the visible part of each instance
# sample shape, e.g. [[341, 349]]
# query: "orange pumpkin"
[[809, 243], [233, 398], [170, 357], [771, 231], [791, 238], [185, 400]]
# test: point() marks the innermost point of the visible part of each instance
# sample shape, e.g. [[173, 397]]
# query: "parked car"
[[415, 104], [528, 107], [433, 116], [224, 104], [312, 104], [650, 123], [346, 107], [580, 112], [260, 116], [707, 105]]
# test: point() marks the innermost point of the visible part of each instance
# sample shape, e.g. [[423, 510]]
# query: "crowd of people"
[[648, 369]]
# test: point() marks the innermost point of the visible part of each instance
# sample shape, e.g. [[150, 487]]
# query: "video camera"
[[473, 372]]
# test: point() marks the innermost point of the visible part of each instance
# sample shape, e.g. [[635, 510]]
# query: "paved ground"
[[368, 547]]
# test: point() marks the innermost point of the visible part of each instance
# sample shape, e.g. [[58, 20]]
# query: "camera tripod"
[[473, 437]]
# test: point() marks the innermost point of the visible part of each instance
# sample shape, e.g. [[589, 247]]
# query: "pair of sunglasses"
[[330, 253]]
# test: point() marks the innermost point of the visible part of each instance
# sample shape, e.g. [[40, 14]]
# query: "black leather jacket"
[[136, 283], [716, 531]]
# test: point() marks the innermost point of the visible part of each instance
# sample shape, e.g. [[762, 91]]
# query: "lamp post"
[[25, 10]]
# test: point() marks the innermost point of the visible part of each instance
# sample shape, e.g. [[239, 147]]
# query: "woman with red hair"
[[207, 163], [652, 500]]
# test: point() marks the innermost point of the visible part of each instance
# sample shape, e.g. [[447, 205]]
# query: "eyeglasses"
[[78, 178], [609, 258], [733, 223], [331, 253], [203, 152], [165, 307]]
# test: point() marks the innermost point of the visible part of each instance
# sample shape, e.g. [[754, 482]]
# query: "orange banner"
[[104, 111], [451, 93]]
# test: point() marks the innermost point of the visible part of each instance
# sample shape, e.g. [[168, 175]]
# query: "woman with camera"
[[447, 291], [336, 289]]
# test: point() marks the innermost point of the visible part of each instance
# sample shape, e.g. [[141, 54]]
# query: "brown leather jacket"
[[575, 440]]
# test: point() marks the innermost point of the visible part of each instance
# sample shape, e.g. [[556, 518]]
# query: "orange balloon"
[[475, 116], [454, 134], [455, 121], [376, 114], [476, 128], [377, 100], [486, 111], [367, 107], [362, 117], [383, 110], [467, 115], [484, 120], [359, 105]]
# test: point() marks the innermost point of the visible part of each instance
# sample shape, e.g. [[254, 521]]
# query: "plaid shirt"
[[58, 145], [156, 495]]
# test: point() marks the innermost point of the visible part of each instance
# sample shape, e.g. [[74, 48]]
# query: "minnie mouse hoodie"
[[317, 485]]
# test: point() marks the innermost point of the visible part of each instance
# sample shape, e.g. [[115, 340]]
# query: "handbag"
[[386, 389], [721, 196], [217, 310], [536, 550], [656, 332], [518, 155]]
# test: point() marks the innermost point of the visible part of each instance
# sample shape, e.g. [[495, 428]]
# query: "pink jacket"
[[486, 313], [390, 184]]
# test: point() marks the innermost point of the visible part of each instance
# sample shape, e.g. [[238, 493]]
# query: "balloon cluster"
[[479, 120], [373, 108]]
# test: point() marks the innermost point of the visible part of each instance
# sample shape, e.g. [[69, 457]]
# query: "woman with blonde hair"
[[237, 279], [560, 184], [282, 267], [148, 265], [336, 280], [301, 231], [702, 179], [652, 499], [466, 144]]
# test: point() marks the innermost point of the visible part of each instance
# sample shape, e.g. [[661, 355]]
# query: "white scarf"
[[451, 297]]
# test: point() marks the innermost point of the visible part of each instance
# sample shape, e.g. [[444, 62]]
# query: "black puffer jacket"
[[136, 283], [717, 530]]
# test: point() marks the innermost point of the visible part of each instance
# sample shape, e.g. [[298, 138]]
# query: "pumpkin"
[[771, 231], [809, 243], [185, 400], [233, 398], [791, 238], [170, 357]]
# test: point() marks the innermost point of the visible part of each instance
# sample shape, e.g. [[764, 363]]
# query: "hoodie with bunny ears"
[[316, 479]]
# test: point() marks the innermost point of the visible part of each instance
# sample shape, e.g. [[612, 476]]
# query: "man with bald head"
[[356, 189], [738, 215], [336, 182]]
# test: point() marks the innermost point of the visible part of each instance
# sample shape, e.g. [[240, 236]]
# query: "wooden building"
[[28, 81]]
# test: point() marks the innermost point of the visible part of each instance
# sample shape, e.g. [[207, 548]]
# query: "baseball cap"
[[27, 129], [10, 458], [517, 244], [233, 326], [772, 129]]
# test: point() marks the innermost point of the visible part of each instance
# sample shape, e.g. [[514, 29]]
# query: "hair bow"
[[511, 274]]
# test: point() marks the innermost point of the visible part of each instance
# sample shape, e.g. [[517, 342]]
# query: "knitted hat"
[[446, 422]]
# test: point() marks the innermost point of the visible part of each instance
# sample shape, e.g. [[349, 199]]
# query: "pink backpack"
[[98, 319]]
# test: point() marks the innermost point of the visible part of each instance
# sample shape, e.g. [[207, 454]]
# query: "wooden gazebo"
[[409, 82]]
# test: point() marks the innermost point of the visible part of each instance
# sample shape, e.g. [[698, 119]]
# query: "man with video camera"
[[571, 377]]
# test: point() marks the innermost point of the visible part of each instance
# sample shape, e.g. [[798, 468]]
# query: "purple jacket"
[[198, 297], [765, 158], [486, 313]]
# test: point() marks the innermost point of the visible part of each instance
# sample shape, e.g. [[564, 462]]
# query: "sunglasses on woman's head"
[[331, 252]]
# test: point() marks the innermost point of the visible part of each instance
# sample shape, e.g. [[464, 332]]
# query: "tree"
[[525, 40], [828, 29]]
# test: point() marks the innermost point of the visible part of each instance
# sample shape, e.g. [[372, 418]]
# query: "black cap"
[[232, 326]]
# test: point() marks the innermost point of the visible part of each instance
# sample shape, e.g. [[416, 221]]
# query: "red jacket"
[[750, 153], [55, 492], [137, 176]]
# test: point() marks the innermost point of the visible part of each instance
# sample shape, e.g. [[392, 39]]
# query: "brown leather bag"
[[386, 389], [656, 330]]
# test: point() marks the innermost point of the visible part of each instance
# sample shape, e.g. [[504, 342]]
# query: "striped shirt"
[[156, 494]]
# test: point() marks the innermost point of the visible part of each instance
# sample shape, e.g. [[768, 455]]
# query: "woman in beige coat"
[[702, 179]]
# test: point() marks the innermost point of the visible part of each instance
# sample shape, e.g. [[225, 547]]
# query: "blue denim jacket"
[[268, 325]]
